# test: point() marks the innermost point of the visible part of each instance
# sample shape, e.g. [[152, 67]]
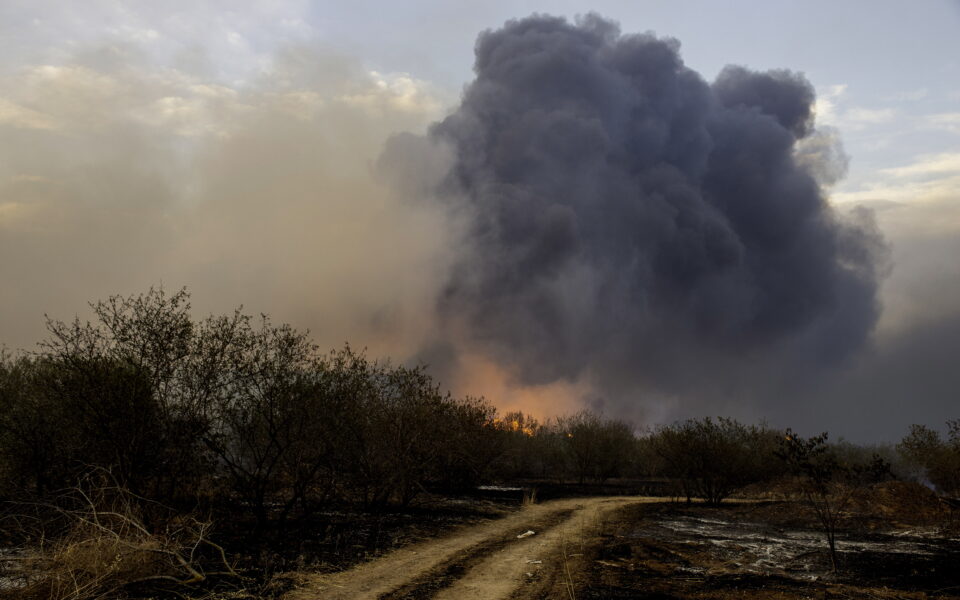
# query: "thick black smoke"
[[634, 224]]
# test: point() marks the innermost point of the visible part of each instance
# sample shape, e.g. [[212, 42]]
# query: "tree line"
[[233, 410]]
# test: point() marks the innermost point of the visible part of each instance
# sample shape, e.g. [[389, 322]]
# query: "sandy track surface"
[[484, 561]]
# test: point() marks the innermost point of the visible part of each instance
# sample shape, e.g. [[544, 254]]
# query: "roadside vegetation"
[[150, 454]]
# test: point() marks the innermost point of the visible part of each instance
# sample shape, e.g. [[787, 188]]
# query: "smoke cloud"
[[592, 224], [636, 228]]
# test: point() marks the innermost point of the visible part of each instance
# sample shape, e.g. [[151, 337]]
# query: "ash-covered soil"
[[766, 550]]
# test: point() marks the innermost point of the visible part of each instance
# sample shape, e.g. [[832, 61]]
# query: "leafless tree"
[[711, 459]]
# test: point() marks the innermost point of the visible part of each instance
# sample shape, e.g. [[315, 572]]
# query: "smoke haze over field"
[[595, 219], [116, 175]]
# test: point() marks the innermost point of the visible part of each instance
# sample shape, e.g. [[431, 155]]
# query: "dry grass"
[[107, 550], [529, 497], [900, 502]]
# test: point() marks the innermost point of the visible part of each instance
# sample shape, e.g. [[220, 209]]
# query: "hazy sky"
[[232, 148]]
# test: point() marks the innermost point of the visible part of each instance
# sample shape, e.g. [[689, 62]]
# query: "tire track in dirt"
[[482, 561], [520, 569], [449, 571], [391, 572]]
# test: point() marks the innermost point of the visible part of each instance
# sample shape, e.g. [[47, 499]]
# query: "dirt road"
[[486, 561]]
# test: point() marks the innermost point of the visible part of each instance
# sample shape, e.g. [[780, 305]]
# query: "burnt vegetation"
[[150, 454]]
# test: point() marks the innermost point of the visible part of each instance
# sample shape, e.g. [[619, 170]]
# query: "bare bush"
[[824, 482], [599, 448], [711, 459], [262, 416]]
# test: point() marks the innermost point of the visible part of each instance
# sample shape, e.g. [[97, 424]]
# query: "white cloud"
[[15, 115], [947, 121], [929, 179], [825, 108], [938, 164], [907, 192], [398, 91], [859, 115], [910, 95], [832, 108], [236, 36]]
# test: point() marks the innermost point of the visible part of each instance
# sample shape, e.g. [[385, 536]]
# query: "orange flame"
[[514, 425]]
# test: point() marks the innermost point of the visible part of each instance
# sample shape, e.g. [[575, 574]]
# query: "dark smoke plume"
[[635, 225]]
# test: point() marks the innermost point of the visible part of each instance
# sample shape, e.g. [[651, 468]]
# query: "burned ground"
[[764, 550], [897, 541]]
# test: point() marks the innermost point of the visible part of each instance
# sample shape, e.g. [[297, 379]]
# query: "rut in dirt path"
[[523, 570], [447, 572], [482, 561]]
